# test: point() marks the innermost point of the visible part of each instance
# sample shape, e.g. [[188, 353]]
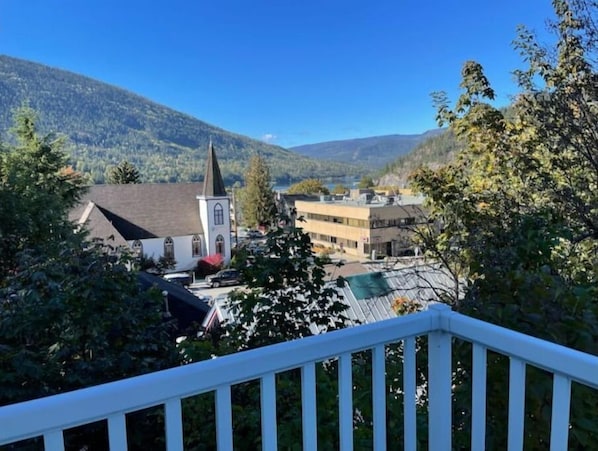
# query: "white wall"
[[211, 230], [154, 248]]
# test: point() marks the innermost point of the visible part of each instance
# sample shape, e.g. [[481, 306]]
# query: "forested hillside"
[[433, 152], [375, 152], [106, 125]]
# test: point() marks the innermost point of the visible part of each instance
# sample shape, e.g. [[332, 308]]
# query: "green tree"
[[287, 296], [518, 214], [123, 173], [37, 189], [340, 189], [75, 320], [309, 186], [71, 313], [257, 201], [365, 182]]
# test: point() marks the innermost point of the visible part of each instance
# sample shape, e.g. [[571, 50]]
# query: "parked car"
[[224, 277], [181, 278], [254, 234]]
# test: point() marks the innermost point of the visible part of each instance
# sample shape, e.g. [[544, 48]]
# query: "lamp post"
[[166, 309]]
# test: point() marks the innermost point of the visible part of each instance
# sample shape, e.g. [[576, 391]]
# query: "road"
[[201, 289]]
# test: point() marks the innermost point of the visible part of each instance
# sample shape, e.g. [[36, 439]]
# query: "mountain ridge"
[[375, 151], [106, 124]]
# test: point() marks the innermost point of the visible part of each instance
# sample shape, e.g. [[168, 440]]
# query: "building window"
[[218, 214], [168, 248], [195, 246], [138, 248], [220, 245]]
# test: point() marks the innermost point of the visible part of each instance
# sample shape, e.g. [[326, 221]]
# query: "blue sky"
[[290, 72]]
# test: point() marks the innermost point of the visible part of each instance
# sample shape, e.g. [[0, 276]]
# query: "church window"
[[138, 248], [195, 246], [168, 248], [220, 245], [218, 214]]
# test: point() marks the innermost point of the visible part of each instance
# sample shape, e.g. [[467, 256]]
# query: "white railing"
[[49, 417]]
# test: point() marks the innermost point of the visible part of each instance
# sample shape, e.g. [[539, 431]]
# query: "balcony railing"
[[50, 417]]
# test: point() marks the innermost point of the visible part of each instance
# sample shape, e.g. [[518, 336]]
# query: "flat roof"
[[376, 201]]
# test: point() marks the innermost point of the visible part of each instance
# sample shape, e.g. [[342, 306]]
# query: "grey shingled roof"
[[99, 226], [141, 211]]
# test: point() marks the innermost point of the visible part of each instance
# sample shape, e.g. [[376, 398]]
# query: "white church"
[[181, 221]]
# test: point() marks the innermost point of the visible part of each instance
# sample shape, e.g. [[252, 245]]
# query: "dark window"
[[195, 246], [220, 245], [218, 215], [168, 248], [137, 247]]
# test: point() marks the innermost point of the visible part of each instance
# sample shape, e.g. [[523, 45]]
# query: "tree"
[[340, 189], [37, 189], [286, 297], [71, 312], [75, 320], [123, 173], [257, 202], [308, 186], [365, 182], [287, 294], [518, 214]]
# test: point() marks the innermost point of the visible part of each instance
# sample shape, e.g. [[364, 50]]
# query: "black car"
[[224, 277]]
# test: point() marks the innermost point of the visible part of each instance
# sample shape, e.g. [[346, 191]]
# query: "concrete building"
[[363, 224]]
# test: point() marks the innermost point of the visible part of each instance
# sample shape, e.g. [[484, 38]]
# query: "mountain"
[[105, 125], [433, 152], [374, 152]]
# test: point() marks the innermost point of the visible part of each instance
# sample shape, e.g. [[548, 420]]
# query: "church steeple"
[[213, 185]]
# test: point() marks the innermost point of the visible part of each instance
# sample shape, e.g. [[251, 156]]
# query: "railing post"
[[439, 382]]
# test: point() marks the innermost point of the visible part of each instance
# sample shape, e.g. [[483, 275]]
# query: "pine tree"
[[37, 189], [124, 173], [72, 314], [257, 203]]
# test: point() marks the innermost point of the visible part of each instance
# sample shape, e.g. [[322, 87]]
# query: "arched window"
[[195, 246], [138, 248], [218, 214], [168, 248], [220, 245]]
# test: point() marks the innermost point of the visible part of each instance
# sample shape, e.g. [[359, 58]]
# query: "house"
[[179, 221], [363, 224]]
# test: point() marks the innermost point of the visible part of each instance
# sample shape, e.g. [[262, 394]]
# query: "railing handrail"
[[578, 366], [91, 404], [79, 407]]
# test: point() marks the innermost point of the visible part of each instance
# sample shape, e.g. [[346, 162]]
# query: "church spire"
[[213, 185]]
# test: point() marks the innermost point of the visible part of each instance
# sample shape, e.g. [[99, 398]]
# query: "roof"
[[375, 202], [100, 226], [141, 211], [370, 297], [183, 305], [213, 185], [365, 303], [345, 269]]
